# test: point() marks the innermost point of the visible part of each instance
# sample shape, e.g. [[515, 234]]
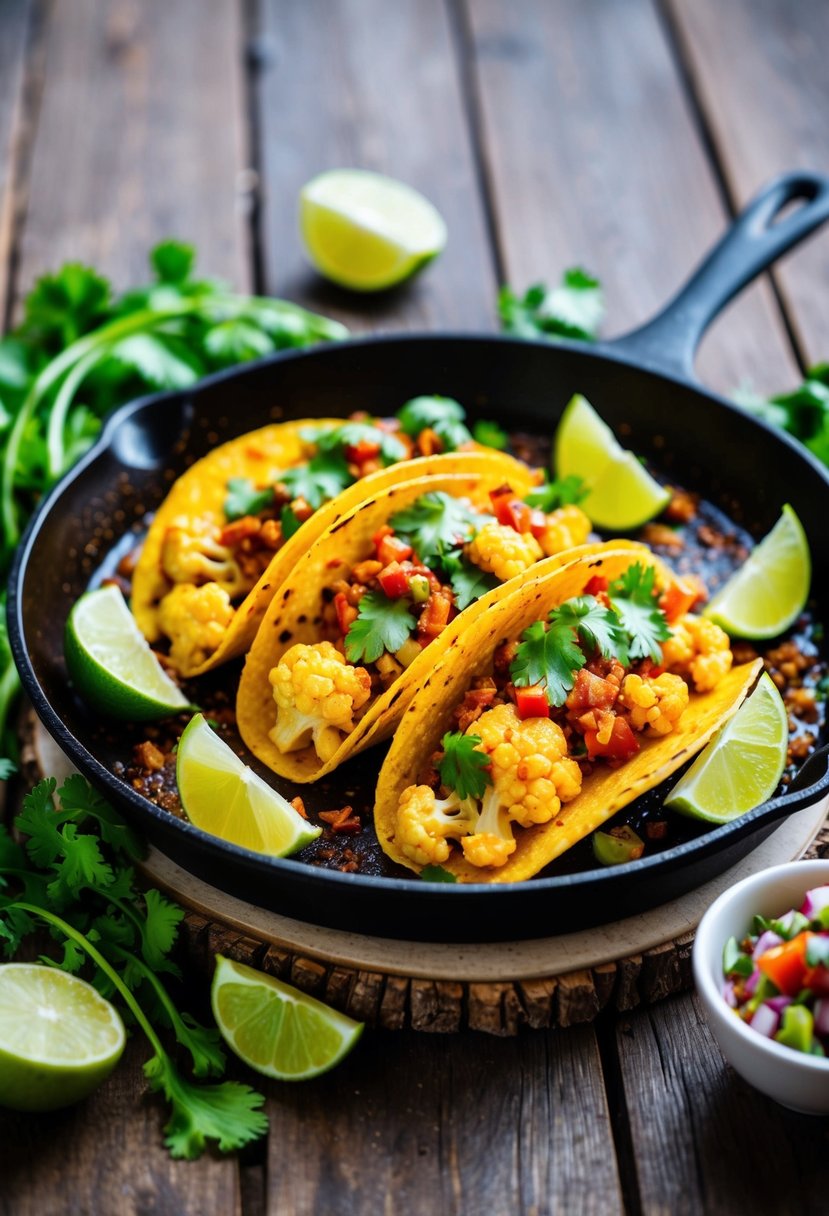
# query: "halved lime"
[[224, 797], [768, 592], [275, 1028], [366, 231], [59, 1039], [622, 494], [743, 763], [111, 663]]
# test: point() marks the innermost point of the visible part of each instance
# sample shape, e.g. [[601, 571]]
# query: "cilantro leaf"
[[62, 307], [549, 656], [468, 581], [437, 874], [79, 799], [382, 624], [82, 866], [597, 627], [236, 341], [336, 438], [634, 598], [163, 361], [437, 522], [462, 768], [172, 261], [290, 521], [228, 1113], [244, 498], [318, 481], [38, 821], [443, 415], [490, 434], [559, 493], [573, 309]]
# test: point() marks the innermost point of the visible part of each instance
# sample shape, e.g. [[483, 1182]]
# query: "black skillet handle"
[[756, 238]]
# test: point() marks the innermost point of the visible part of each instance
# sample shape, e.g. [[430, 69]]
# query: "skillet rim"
[[695, 850]]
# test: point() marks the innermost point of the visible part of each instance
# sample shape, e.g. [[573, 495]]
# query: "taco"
[[366, 613], [235, 523], [574, 695]]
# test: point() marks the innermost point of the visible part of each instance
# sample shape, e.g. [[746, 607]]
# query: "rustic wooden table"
[[618, 134]]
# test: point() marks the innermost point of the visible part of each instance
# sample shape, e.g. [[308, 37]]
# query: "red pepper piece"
[[394, 580], [785, 965], [532, 702], [359, 453], [346, 613], [596, 585], [679, 598], [538, 522], [591, 692], [435, 616], [621, 745], [380, 534], [393, 549], [511, 511]]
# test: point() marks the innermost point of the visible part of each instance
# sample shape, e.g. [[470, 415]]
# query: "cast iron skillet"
[[643, 384]]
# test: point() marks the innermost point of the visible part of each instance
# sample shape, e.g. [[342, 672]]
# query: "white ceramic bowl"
[[792, 1078]]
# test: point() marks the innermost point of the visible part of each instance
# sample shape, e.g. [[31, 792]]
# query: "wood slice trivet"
[[438, 987]]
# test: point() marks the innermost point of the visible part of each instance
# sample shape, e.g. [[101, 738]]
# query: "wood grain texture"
[[594, 160], [451, 1125], [14, 20], [140, 137], [366, 84], [107, 1156], [704, 1140], [759, 67]]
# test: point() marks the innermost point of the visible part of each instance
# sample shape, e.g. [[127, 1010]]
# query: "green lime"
[[224, 797], [622, 495], [111, 663], [59, 1039], [743, 763], [366, 231], [275, 1028], [768, 592]]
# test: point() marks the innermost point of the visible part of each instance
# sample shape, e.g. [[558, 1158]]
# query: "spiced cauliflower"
[[196, 620], [566, 528], [191, 552], [699, 650], [654, 702], [317, 694], [500, 550]]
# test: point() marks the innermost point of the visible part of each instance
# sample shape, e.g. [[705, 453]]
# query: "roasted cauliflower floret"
[[698, 650], [532, 774], [195, 619], [566, 527], [425, 824], [317, 694], [502, 551], [656, 702], [191, 553]]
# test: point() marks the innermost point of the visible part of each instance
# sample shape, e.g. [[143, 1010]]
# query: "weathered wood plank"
[[594, 160], [759, 67], [424, 1124], [704, 1140], [140, 137], [355, 84], [107, 1155], [14, 19]]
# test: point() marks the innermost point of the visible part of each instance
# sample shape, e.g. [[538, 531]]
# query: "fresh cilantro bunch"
[[551, 653], [73, 874], [573, 309], [804, 412]]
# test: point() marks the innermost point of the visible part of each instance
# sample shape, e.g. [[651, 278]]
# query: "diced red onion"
[[787, 920], [765, 942], [778, 1003], [752, 982], [822, 1016], [814, 901], [765, 1020], [729, 995]]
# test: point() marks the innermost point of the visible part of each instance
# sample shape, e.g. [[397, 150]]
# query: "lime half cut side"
[[366, 231], [224, 797], [622, 495], [275, 1028], [742, 765], [59, 1038], [769, 591], [111, 663]]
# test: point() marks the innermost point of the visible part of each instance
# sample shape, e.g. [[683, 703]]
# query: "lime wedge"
[[275, 1028], [743, 763], [768, 592], [366, 231], [59, 1039], [111, 663], [224, 797], [622, 495]]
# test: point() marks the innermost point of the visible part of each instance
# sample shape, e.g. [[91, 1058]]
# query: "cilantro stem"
[[60, 409], [9, 689]]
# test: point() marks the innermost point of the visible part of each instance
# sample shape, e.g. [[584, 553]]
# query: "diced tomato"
[[435, 616], [511, 511], [679, 598], [596, 585], [621, 745], [394, 580], [393, 549], [532, 702], [591, 692], [817, 978], [346, 613], [380, 534], [785, 965], [359, 453], [429, 442], [538, 522]]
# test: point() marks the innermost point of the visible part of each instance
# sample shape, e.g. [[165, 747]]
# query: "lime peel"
[[742, 765], [276, 1029]]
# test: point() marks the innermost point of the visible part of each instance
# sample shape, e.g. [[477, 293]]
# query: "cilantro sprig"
[[382, 624], [462, 768], [573, 309], [562, 492], [244, 498], [435, 523], [443, 415], [635, 600], [73, 876], [334, 440]]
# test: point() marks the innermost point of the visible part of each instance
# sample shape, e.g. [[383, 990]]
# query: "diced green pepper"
[[797, 1029], [419, 588], [798, 923], [616, 847], [734, 961]]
